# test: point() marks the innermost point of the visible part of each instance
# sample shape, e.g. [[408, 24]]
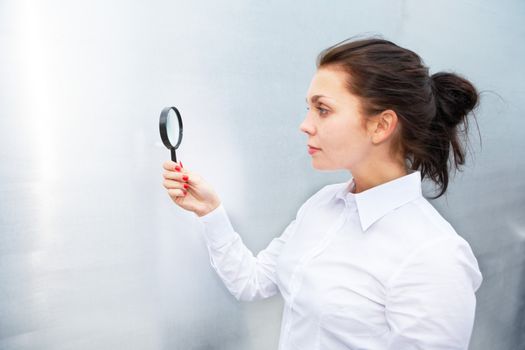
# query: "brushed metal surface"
[[93, 253]]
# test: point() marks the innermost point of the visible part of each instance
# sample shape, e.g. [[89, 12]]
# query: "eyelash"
[[319, 109]]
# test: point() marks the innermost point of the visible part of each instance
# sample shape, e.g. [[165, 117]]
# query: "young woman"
[[369, 263]]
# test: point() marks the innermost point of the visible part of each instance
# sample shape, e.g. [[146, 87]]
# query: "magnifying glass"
[[170, 125]]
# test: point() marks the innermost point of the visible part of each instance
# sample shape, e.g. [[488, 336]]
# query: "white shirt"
[[380, 269]]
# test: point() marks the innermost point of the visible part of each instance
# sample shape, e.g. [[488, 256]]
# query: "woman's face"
[[334, 123]]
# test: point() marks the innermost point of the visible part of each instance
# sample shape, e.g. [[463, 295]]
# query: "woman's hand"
[[188, 190]]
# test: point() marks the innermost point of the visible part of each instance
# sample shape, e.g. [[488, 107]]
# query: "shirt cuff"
[[218, 229]]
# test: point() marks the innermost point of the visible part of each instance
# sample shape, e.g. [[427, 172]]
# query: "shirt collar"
[[377, 201]]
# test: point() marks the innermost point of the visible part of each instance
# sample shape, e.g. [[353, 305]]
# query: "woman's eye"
[[321, 110]]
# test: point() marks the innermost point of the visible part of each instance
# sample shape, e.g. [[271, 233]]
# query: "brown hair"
[[430, 109]]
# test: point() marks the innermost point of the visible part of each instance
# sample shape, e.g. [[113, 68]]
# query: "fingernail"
[[184, 192], [177, 168], [185, 177], [186, 185], [181, 164]]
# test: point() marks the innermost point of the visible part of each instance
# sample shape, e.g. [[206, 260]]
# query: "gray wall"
[[93, 253]]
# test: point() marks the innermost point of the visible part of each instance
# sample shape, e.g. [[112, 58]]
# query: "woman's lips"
[[312, 150]]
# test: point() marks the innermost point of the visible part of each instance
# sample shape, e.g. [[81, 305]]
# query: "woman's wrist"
[[208, 210]]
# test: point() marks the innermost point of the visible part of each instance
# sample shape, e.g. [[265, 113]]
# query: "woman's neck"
[[375, 177]]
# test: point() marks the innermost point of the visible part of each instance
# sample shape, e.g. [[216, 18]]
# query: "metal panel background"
[[94, 255]]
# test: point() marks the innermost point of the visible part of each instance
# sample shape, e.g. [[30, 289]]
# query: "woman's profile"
[[368, 263]]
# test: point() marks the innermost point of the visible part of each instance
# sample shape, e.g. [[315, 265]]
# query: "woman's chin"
[[319, 165]]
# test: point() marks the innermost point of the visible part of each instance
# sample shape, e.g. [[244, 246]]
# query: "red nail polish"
[[186, 185], [177, 168], [184, 192], [181, 164], [185, 177]]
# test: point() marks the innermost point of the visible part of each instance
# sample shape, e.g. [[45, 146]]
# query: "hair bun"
[[455, 97]]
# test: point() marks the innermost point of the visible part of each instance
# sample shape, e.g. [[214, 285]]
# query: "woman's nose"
[[306, 126]]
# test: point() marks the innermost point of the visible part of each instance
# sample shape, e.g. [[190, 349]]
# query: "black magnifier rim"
[[163, 126]]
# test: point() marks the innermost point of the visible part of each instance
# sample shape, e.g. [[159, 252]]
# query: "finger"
[[171, 175], [169, 184], [176, 192], [172, 166], [168, 165]]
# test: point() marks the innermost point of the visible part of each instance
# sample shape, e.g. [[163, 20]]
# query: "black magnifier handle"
[[173, 155]]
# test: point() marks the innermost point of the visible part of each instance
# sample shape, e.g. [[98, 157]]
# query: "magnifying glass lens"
[[172, 127]]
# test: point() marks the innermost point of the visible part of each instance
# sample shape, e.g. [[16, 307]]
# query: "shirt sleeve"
[[431, 298], [247, 277]]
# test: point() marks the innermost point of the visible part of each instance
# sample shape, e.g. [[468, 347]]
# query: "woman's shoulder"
[[434, 240], [444, 258], [420, 219]]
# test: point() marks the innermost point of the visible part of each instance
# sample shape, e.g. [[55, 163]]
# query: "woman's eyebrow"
[[316, 97]]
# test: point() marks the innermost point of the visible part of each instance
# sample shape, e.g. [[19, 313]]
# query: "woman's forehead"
[[328, 85]]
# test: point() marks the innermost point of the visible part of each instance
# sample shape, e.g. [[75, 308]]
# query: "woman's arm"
[[431, 301], [246, 277]]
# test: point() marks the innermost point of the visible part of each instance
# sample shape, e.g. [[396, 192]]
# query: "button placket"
[[350, 204], [297, 275]]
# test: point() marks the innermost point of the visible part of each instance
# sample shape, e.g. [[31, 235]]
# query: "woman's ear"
[[382, 126]]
